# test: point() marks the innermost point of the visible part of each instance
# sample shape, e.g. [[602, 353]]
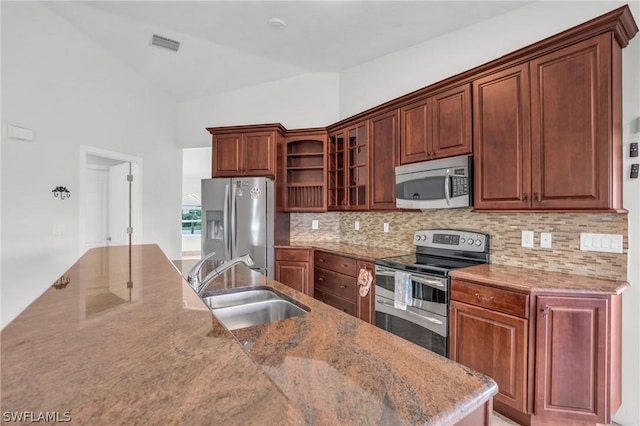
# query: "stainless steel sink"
[[256, 313], [239, 298], [251, 306]]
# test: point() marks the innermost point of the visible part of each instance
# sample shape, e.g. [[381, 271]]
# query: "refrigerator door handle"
[[227, 232], [233, 232]]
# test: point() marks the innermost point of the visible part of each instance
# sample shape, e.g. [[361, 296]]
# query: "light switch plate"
[[604, 243], [385, 227], [314, 224], [545, 240], [527, 239], [357, 225]]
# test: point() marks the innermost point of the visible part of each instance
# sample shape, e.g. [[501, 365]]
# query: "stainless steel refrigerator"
[[238, 218]]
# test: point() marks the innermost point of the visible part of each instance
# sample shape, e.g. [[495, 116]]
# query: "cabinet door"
[[335, 174], [571, 126], [226, 155], [494, 344], [452, 122], [366, 306], [356, 168], [571, 358], [293, 274], [502, 172], [384, 139], [259, 154], [415, 138]]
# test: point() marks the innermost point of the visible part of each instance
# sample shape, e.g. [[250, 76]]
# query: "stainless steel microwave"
[[435, 184]]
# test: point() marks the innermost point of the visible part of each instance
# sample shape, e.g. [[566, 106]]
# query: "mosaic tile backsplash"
[[504, 229]]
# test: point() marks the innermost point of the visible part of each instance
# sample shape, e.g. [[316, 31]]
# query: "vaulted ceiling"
[[226, 45]]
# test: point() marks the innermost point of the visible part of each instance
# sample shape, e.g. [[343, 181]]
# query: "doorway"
[[110, 198]]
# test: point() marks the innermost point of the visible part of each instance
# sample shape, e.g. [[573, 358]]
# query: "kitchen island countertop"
[[121, 338]]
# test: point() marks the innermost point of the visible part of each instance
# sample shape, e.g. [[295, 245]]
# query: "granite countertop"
[[368, 253], [151, 352], [527, 280]]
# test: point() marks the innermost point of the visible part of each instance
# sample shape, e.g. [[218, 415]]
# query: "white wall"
[[308, 100], [404, 71], [67, 89]]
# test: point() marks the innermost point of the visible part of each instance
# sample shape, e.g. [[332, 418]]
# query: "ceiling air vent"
[[165, 43]]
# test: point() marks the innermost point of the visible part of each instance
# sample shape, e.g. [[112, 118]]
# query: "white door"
[[96, 224], [121, 193]]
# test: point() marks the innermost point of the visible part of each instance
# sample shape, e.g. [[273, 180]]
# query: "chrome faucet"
[[194, 274]]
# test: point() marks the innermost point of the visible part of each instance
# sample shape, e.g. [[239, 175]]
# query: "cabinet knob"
[[545, 311], [321, 260], [343, 286], [525, 197], [320, 278]]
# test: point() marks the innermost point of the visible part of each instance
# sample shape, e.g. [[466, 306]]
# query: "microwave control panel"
[[459, 186]]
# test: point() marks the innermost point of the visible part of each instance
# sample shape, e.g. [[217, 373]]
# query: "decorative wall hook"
[[62, 191], [61, 283]]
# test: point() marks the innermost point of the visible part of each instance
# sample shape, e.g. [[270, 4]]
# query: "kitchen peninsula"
[[122, 338]]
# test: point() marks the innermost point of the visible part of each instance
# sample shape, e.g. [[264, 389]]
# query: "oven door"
[[420, 327]]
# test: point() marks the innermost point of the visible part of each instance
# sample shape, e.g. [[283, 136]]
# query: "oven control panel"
[[451, 239]]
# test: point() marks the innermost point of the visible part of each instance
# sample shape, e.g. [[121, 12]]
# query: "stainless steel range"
[[438, 252]]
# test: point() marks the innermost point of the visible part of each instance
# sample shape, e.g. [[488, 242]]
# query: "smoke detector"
[[277, 23], [165, 43]]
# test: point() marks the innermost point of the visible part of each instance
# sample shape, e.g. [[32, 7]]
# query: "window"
[[191, 220]]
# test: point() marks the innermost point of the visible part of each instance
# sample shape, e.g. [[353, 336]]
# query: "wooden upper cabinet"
[[415, 139], [452, 122], [545, 134], [571, 117], [502, 140], [305, 171], [226, 155], [259, 154], [384, 137], [244, 150], [347, 169], [437, 126]]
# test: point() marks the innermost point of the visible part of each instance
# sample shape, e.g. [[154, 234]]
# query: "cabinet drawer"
[[344, 265], [495, 299], [337, 284], [295, 255], [336, 302]]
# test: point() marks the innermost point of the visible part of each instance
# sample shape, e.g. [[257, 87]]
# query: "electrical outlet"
[[385, 227], [527, 239], [357, 225], [605, 243], [314, 224], [545, 240]]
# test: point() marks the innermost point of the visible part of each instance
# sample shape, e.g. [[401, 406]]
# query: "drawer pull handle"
[[343, 286], [320, 278], [545, 311], [483, 298], [321, 260]]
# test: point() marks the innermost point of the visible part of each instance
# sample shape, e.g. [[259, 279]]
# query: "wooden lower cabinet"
[[489, 332], [293, 269], [335, 283], [494, 344], [578, 358], [555, 357]]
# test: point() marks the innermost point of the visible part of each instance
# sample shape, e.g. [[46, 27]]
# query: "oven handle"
[[386, 272], [390, 305], [426, 281]]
